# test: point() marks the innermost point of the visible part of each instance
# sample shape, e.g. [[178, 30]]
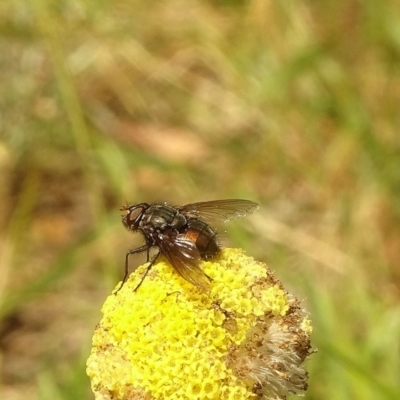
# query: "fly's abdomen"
[[204, 237]]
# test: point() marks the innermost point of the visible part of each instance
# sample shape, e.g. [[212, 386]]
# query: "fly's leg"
[[147, 270], [140, 249]]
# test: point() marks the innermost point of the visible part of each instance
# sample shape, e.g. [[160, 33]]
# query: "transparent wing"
[[185, 258], [219, 210]]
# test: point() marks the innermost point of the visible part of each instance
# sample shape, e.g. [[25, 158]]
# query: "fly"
[[182, 234]]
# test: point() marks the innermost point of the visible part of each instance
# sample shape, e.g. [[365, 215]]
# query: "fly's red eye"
[[135, 213]]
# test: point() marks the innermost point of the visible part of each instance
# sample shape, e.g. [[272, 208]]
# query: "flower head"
[[243, 338]]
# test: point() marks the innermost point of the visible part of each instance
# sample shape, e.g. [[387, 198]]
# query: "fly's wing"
[[219, 210], [185, 258]]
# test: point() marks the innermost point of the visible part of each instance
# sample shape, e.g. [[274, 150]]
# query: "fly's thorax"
[[161, 216]]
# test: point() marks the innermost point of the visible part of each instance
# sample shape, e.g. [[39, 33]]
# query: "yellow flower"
[[243, 338]]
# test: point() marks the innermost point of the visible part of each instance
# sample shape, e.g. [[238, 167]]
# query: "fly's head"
[[133, 215]]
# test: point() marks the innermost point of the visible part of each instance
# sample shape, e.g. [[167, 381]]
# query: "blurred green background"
[[293, 104]]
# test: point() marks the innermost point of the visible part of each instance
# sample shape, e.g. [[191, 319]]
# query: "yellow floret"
[[173, 340]]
